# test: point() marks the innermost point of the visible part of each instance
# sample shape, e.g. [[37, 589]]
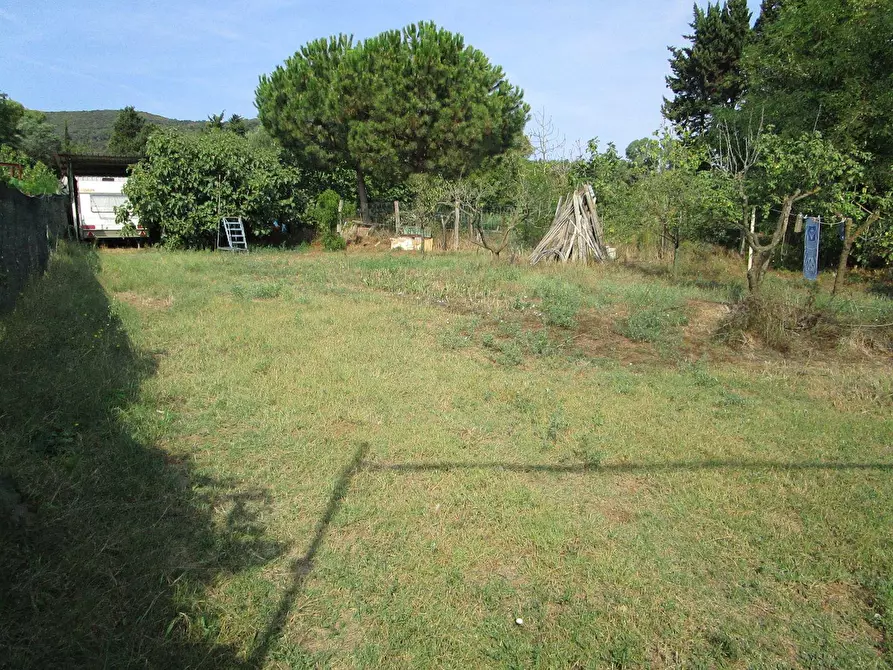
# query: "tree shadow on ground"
[[733, 288], [106, 542], [882, 288]]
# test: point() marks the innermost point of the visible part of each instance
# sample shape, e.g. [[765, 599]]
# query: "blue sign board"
[[811, 249]]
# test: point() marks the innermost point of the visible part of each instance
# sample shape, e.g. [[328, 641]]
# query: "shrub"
[[186, 182], [332, 241], [324, 214], [37, 178], [655, 315], [324, 211]]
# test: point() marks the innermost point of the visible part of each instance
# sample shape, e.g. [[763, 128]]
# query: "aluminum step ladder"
[[234, 229]]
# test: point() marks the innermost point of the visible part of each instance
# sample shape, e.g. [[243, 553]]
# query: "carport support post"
[[73, 193]]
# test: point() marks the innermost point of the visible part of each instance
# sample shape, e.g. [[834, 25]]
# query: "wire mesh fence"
[[28, 229], [384, 216]]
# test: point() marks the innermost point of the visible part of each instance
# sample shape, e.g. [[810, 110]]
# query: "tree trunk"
[[849, 238], [663, 241], [363, 197], [762, 253], [758, 270], [745, 212]]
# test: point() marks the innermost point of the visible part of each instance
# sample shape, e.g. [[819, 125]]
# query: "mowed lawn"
[[290, 459]]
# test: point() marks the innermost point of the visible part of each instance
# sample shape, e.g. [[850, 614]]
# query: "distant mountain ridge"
[[91, 130]]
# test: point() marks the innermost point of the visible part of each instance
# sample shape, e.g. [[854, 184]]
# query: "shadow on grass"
[[676, 466], [733, 289], [301, 567], [881, 288], [106, 543]]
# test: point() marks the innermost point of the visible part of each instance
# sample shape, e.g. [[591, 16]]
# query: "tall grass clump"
[[783, 316], [655, 314], [560, 302]]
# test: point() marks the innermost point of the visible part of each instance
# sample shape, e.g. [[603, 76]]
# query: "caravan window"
[[104, 204]]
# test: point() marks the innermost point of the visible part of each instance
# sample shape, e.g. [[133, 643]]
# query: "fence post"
[[396, 217], [456, 225]]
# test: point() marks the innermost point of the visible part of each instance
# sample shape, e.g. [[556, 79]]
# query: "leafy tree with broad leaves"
[[610, 175], [781, 171], [708, 74], [36, 178], [416, 100], [186, 183], [130, 133], [11, 113], [37, 137], [673, 199], [827, 65], [642, 152]]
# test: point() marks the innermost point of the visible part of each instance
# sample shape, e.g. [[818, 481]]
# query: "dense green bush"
[[187, 182], [324, 213], [37, 178], [333, 242]]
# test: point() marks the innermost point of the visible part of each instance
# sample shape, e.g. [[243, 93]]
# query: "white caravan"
[[97, 200]]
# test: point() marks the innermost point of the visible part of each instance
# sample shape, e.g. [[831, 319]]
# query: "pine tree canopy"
[[707, 75], [416, 100], [130, 133]]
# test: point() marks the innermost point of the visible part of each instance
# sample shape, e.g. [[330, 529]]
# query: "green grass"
[[284, 460]]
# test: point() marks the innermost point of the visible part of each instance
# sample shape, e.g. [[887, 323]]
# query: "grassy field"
[[368, 460]]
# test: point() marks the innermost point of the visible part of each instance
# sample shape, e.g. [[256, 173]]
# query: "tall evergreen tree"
[[130, 133], [215, 121], [769, 12], [708, 74], [417, 100], [236, 124], [67, 144]]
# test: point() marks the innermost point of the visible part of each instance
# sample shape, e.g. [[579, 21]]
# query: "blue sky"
[[597, 68]]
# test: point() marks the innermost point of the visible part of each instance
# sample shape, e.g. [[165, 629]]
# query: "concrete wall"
[[29, 228]]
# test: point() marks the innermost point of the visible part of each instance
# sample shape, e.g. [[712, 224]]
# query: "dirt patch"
[[144, 301], [704, 318], [596, 337]]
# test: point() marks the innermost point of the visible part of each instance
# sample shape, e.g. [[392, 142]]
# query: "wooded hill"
[[91, 130]]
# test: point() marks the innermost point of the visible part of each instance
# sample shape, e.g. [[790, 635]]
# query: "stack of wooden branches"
[[576, 233]]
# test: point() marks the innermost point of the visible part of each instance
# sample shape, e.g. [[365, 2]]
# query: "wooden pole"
[[753, 223], [456, 225], [396, 217]]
